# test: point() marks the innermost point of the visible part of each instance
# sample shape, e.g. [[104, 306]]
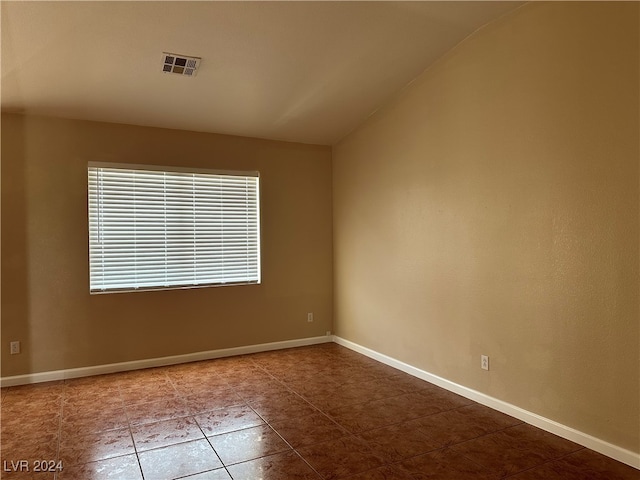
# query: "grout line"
[[284, 440], [135, 448], [213, 448], [546, 462], [139, 466], [308, 464], [133, 441]]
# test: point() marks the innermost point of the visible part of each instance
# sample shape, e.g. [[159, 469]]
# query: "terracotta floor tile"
[[182, 369], [248, 375], [314, 428], [285, 407], [201, 367], [36, 390], [281, 466], [428, 400], [346, 375], [406, 406], [358, 418], [141, 378], [217, 474], [118, 468], [86, 399], [96, 387], [359, 375], [193, 371], [556, 471], [32, 448], [26, 475], [320, 399], [88, 404], [194, 385], [375, 414], [220, 365], [296, 372], [168, 432], [228, 420], [109, 380], [515, 449], [97, 446], [444, 464], [381, 370], [346, 413], [230, 366], [341, 458], [261, 391], [461, 424], [264, 390], [382, 473], [15, 424], [595, 466], [27, 436], [275, 367], [32, 407], [144, 376], [93, 421], [247, 444], [408, 383], [357, 360], [282, 354], [309, 386], [147, 393], [417, 404], [207, 401], [377, 389], [165, 409], [345, 395], [178, 460], [398, 442]]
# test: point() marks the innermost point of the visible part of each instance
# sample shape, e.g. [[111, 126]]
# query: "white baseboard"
[[157, 362], [622, 455]]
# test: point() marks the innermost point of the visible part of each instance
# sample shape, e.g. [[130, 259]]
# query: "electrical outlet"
[[328, 333], [310, 317], [484, 362], [15, 348]]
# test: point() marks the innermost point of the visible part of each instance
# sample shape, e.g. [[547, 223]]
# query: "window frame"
[[171, 170]]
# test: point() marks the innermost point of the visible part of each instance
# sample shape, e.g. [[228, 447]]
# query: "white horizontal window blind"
[[152, 228]]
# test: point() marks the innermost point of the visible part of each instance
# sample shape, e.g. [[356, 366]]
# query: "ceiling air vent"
[[180, 64]]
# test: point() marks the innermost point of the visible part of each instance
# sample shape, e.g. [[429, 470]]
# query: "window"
[[153, 228]]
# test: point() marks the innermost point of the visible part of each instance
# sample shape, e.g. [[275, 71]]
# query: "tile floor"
[[318, 412]]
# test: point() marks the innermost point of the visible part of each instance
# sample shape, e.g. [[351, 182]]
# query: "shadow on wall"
[[15, 271]]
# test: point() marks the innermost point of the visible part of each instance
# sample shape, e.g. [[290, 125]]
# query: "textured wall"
[[45, 277], [492, 208]]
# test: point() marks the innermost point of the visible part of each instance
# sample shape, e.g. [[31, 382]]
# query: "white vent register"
[[180, 64]]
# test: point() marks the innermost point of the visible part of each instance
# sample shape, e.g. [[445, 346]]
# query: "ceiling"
[[307, 72]]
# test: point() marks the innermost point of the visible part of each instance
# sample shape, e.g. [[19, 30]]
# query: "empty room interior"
[[320, 240]]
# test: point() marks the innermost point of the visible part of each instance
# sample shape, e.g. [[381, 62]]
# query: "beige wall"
[[45, 291], [492, 208]]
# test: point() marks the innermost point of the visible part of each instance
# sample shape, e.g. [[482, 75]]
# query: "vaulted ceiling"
[[298, 71]]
